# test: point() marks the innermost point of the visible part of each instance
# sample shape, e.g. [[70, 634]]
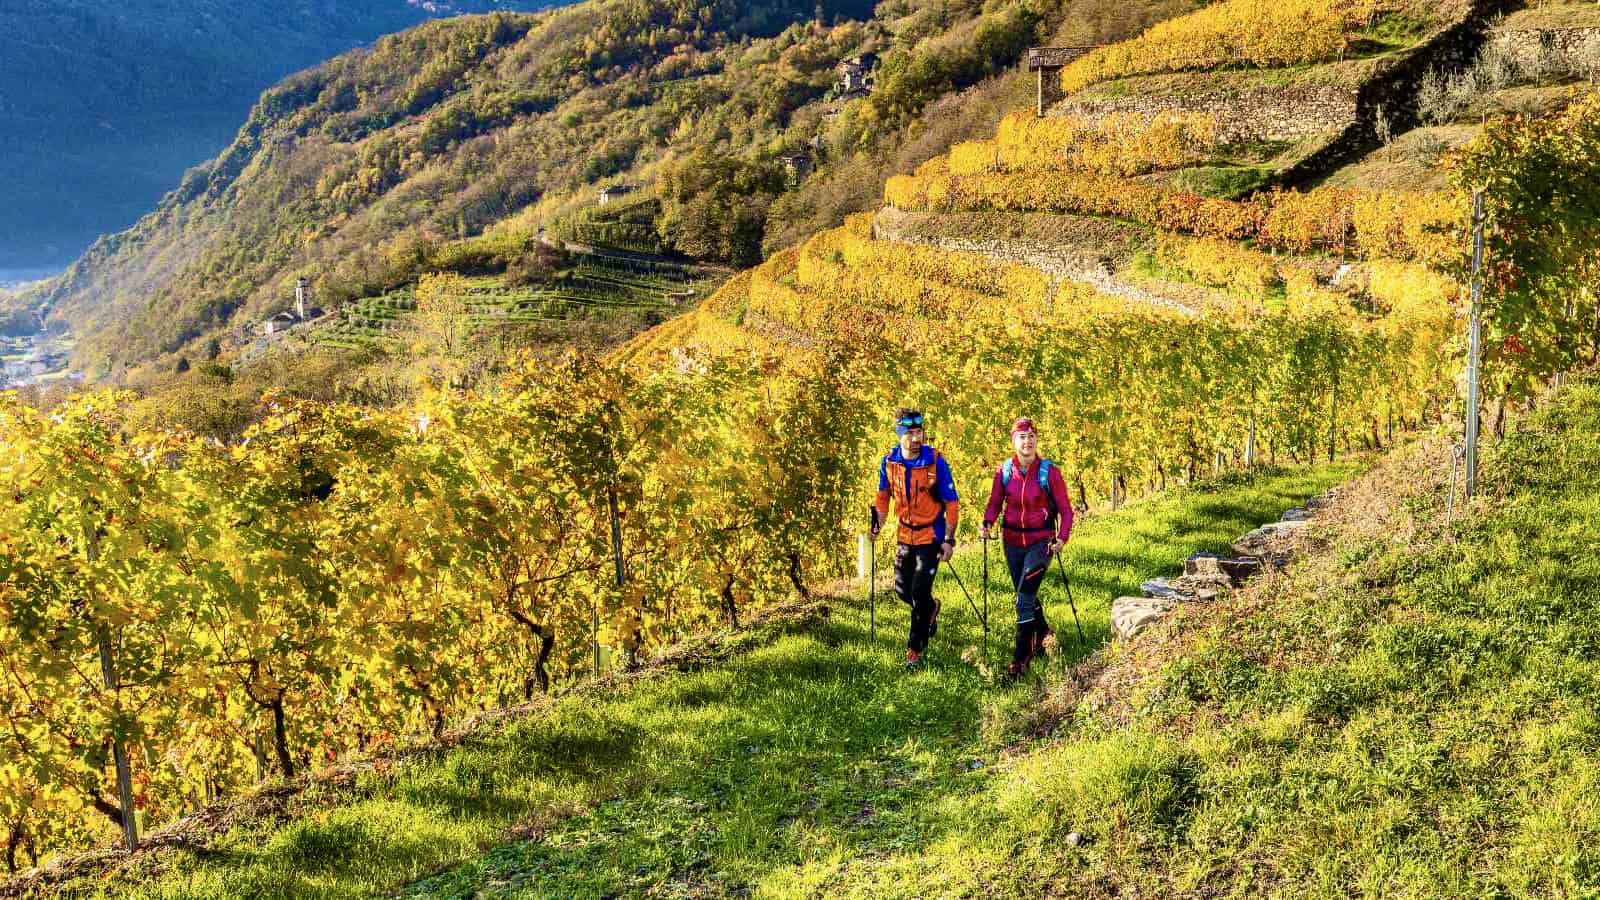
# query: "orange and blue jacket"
[[924, 495]]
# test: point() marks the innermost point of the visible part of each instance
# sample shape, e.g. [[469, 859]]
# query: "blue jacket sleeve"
[[947, 482]]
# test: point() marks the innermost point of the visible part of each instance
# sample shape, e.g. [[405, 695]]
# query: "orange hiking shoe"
[[913, 660]]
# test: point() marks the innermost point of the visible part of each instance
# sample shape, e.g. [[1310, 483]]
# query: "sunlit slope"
[[1230, 347], [1215, 325]]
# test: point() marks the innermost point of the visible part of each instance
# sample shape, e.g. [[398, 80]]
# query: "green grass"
[[810, 764], [1416, 718], [1226, 182]]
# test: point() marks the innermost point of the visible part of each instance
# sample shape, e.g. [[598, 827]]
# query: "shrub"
[[1123, 143]]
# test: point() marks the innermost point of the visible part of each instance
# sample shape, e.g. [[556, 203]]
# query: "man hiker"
[[1038, 521], [918, 479]]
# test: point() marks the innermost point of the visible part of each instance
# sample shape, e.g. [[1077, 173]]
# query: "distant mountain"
[[105, 103], [461, 145]]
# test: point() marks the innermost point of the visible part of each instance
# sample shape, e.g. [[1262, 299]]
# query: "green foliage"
[[629, 226], [362, 167], [713, 207], [1541, 180], [912, 75], [16, 316], [1226, 182]]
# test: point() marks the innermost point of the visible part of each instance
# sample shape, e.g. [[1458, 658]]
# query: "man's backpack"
[[1007, 470]]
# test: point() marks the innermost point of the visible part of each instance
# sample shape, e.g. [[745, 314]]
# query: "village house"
[[858, 75]]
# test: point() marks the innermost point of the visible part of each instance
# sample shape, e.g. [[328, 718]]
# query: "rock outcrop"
[[1208, 577]]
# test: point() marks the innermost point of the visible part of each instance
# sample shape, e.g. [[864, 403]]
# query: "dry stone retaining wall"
[[1206, 577], [1528, 48], [1081, 267], [1350, 115], [1267, 114]]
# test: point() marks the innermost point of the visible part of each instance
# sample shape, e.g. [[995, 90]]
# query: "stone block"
[[1271, 541], [1162, 589], [1204, 588], [1131, 615], [1186, 588], [1236, 571]]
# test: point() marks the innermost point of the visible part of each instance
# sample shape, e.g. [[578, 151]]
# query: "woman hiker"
[[917, 478], [1038, 521]]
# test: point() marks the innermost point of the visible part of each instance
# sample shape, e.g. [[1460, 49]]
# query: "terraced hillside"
[[1161, 306], [597, 286], [460, 545]]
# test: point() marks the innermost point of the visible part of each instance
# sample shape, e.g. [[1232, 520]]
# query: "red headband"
[[1021, 425]]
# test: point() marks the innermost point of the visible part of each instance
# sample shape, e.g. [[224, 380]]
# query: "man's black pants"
[[914, 568]]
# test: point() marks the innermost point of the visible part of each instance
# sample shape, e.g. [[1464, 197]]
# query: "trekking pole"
[[872, 574], [1068, 583], [957, 576], [986, 600]]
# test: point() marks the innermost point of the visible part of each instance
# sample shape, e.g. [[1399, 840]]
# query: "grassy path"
[[811, 765]]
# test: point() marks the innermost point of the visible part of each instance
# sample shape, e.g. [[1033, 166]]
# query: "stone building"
[[1046, 63], [858, 74]]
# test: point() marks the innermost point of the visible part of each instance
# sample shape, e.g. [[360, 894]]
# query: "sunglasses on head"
[[910, 422]]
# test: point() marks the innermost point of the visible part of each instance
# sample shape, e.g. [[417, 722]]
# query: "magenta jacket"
[[1028, 511]]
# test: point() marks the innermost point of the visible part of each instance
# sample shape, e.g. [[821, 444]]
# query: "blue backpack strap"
[[1044, 485], [1044, 476]]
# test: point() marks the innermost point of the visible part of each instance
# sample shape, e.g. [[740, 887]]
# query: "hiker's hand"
[[875, 529], [1055, 547], [983, 533], [946, 550]]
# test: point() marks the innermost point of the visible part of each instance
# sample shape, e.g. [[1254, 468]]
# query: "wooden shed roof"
[[1053, 57]]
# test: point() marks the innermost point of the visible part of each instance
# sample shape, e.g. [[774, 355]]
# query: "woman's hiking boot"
[[1024, 652], [913, 660]]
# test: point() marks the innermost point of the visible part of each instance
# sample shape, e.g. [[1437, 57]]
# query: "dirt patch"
[[1410, 163]]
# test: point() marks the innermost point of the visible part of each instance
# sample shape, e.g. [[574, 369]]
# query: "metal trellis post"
[[1475, 345]]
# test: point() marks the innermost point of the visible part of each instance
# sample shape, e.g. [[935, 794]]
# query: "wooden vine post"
[[119, 752]]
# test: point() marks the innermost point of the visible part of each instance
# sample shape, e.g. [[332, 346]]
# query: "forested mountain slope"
[[104, 104], [357, 172]]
